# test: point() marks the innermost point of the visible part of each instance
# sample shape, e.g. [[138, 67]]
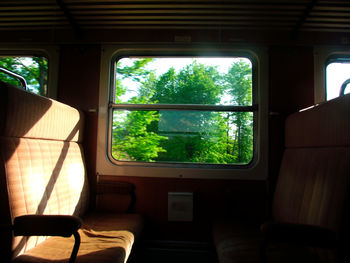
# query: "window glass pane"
[[181, 136], [195, 80], [33, 69], [336, 74], [347, 89]]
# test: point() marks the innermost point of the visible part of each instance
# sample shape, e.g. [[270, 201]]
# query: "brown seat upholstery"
[[43, 173], [309, 214]]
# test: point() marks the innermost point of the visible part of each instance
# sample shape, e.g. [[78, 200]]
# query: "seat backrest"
[[314, 177], [42, 162]]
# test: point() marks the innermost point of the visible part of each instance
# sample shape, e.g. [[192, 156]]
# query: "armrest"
[[46, 225], [49, 225], [307, 235]]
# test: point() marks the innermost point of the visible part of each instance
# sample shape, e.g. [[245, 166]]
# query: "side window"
[[337, 77], [34, 69], [183, 110]]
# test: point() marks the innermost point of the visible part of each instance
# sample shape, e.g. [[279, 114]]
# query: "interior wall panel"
[[78, 86]]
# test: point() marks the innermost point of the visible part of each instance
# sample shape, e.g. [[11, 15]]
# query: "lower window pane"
[[176, 136]]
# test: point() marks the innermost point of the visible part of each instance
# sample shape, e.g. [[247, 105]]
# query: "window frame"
[[50, 52], [254, 107], [323, 56], [334, 58], [257, 170]]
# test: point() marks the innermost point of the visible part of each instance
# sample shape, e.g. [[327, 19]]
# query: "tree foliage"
[[195, 84], [33, 69], [179, 135], [132, 139], [239, 86]]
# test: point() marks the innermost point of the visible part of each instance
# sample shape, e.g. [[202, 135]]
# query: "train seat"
[[44, 188], [309, 221]]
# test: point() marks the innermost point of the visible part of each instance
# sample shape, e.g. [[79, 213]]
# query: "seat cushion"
[[238, 242], [104, 238], [41, 177], [102, 222]]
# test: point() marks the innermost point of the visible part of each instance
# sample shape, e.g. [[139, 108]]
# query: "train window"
[[188, 110], [34, 69], [337, 77]]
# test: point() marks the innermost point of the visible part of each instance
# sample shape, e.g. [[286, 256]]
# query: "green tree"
[[194, 84], [33, 69], [137, 72], [193, 136], [239, 86], [179, 135], [132, 139]]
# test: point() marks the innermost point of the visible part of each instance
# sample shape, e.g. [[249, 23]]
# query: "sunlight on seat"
[[75, 175], [48, 124]]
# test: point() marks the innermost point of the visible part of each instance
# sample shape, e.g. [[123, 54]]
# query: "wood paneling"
[[79, 79], [291, 89], [239, 200]]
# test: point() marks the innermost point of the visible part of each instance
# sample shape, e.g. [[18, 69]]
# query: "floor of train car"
[[173, 251]]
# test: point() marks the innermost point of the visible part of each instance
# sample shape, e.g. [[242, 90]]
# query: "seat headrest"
[[324, 125], [27, 115]]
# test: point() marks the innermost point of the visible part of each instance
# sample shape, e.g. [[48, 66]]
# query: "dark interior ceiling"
[[264, 15]]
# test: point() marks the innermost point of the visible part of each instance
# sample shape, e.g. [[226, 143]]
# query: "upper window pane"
[[337, 73], [32, 68], [188, 80]]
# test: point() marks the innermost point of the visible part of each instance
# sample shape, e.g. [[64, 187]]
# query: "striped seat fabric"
[[312, 188], [43, 172]]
